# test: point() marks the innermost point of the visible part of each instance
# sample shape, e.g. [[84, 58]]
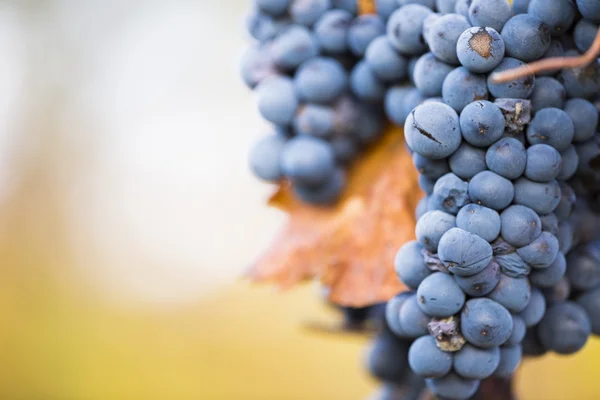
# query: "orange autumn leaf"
[[350, 247]]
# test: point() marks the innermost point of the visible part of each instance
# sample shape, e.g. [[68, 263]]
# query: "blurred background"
[[127, 217]]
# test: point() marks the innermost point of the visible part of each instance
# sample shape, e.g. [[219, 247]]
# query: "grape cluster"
[[320, 72], [506, 260]]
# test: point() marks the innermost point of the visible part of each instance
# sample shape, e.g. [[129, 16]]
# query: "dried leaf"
[[351, 246]]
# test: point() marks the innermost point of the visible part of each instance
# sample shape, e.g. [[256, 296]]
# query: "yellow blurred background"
[[127, 216]]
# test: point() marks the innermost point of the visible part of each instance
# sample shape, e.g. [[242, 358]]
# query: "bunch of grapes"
[[507, 256]]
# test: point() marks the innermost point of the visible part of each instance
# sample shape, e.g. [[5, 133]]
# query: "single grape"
[[443, 37], [462, 7], [479, 49], [543, 163], [413, 318], [482, 282], [400, 101], [520, 6], [481, 123], [565, 237], [427, 360], [307, 12], [439, 296], [315, 120], [583, 270], [485, 323], [264, 27], [551, 276], [513, 265], [331, 31], [385, 61], [567, 202], [433, 130], [426, 184], [518, 333], [584, 116], [450, 193], [385, 8], [265, 158], [565, 328], [507, 158], [307, 160], [365, 84], [548, 92], [277, 101], [543, 198], [445, 6], [257, 65], [491, 190], [510, 358], [520, 88], [590, 9], [422, 207], [273, 7], [590, 301], [387, 357], [535, 310], [293, 46], [392, 312], [464, 253], [432, 226], [362, 31], [570, 163], [410, 265], [326, 193], [584, 34], [474, 363], [557, 15], [320, 80], [453, 387], [405, 26], [525, 37], [512, 293], [430, 73], [490, 13], [433, 169], [482, 221], [550, 223], [462, 87], [541, 252], [551, 126], [428, 23], [467, 161]]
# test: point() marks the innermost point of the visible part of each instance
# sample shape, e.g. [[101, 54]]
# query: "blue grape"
[[345, 149], [422, 207], [491, 190], [482, 282], [490, 13], [567, 202], [410, 265], [550, 223], [512, 293], [513, 265], [525, 37], [543, 198], [548, 92], [565, 237], [507, 158], [520, 6], [429, 74], [584, 116], [471, 362], [464, 253], [400, 101], [405, 26], [480, 49], [453, 387], [570, 163], [583, 270], [413, 319], [467, 161], [392, 312], [348, 5], [307, 12], [445, 6], [557, 15], [432, 226], [331, 31], [433, 130], [385, 61], [326, 193], [543, 163], [362, 31], [257, 65], [555, 49], [485, 323], [369, 124], [541, 252], [365, 84], [387, 357], [307, 160], [439, 296], [277, 101], [565, 328], [551, 126], [426, 184], [550, 276], [580, 82], [265, 158], [273, 7], [590, 301], [520, 88], [428, 23], [482, 221], [584, 34], [462, 87], [293, 46], [590, 9], [510, 358], [586, 152], [315, 120], [518, 332], [264, 27], [433, 169], [443, 37], [427, 3], [462, 7], [385, 8], [482, 123], [450, 193], [535, 310], [427, 360]]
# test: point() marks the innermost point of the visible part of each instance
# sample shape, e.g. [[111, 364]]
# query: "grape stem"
[[549, 64], [366, 7]]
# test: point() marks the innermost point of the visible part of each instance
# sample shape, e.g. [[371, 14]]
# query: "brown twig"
[[366, 7], [549, 64]]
